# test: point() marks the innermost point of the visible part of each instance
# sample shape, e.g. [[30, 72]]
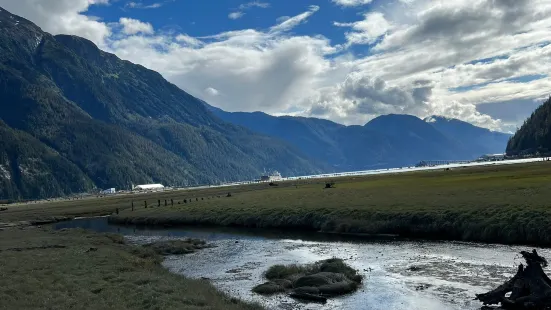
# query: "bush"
[[327, 277]]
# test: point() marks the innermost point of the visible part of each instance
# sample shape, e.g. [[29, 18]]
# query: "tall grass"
[[42, 269], [505, 204]]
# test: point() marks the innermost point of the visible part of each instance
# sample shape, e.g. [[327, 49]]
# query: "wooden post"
[[145, 203], [117, 211], [158, 202], [165, 203], [132, 205], [172, 202]]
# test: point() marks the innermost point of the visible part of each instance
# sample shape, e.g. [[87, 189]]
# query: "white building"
[[149, 187], [109, 191]]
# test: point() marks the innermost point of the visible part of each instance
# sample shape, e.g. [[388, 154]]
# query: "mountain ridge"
[[380, 143], [119, 123]]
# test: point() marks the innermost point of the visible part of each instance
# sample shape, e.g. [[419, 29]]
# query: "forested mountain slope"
[[535, 134], [114, 123]]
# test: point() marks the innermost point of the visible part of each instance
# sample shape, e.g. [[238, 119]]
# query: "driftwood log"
[[530, 288]]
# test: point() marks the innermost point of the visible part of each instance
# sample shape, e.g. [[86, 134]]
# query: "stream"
[[397, 274]]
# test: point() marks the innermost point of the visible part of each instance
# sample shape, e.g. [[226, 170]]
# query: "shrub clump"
[[326, 278], [176, 247]]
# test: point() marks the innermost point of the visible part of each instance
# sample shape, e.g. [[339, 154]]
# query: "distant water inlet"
[[397, 274]]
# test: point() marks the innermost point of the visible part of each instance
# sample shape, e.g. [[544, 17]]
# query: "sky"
[[482, 61]]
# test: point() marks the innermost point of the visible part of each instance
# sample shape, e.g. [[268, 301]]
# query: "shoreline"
[[496, 204], [415, 235]]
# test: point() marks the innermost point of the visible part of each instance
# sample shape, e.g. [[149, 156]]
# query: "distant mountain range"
[[73, 118], [386, 141]]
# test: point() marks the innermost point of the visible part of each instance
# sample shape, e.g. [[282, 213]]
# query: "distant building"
[[109, 191], [492, 157], [275, 176], [149, 187]]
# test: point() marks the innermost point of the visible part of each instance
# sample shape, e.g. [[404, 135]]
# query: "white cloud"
[[352, 2], [235, 15], [133, 26], [246, 6], [62, 16], [282, 19], [139, 5], [211, 91], [427, 57], [367, 31], [254, 4], [190, 41], [294, 21]]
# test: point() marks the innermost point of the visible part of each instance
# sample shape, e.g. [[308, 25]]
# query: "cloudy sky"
[[482, 61]]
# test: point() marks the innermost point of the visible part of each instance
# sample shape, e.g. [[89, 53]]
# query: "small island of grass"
[[176, 247], [315, 282]]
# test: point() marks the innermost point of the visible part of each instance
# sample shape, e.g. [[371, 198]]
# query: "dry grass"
[[75, 269]]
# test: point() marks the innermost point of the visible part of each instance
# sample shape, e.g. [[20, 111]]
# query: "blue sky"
[[206, 18], [486, 62]]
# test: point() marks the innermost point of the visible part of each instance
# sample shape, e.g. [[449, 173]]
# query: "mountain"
[[97, 120], [535, 134], [28, 168], [386, 141], [479, 140]]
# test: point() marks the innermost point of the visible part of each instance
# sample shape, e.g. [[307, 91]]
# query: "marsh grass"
[[327, 277], [176, 247], [293, 271], [504, 204], [57, 270]]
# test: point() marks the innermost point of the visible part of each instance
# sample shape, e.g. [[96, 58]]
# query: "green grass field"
[[46, 269], [504, 204]]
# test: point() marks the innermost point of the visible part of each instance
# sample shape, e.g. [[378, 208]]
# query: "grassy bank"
[[505, 204], [75, 269]]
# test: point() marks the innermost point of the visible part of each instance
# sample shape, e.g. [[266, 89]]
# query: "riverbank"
[[498, 204], [78, 269]]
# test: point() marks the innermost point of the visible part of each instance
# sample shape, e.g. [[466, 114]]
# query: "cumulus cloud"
[[424, 57], [368, 30], [62, 16], [133, 26], [188, 40]]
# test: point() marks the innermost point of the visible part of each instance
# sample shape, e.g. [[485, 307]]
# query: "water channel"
[[398, 274]]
